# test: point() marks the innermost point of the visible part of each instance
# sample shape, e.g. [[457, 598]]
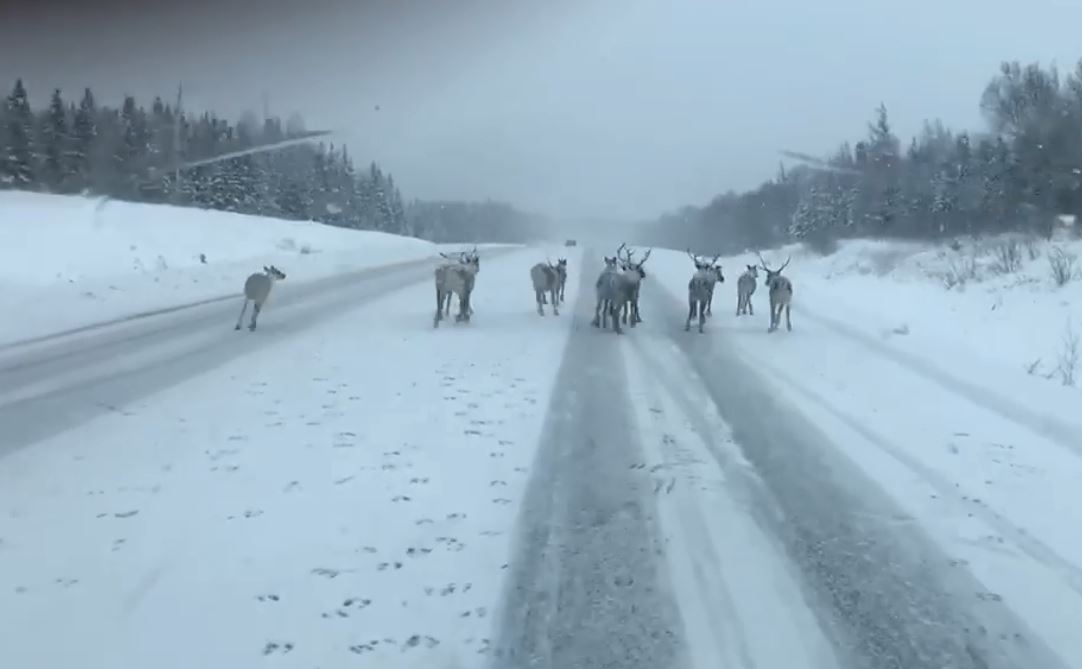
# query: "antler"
[[694, 258], [762, 263], [714, 260], [645, 257], [785, 264]]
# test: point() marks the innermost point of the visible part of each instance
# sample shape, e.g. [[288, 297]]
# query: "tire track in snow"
[[1030, 545], [882, 588], [1050, 427], [587, 588]]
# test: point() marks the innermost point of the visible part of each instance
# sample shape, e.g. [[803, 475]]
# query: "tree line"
[[1019, 174], [130, 153]]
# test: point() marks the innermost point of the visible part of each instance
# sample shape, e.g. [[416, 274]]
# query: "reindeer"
[[632, 275], [609, 291], [257, 288], [781, 294], [458, 279], [712, 274], [700, 289], [546, 279], [745, 288], [441, 272]]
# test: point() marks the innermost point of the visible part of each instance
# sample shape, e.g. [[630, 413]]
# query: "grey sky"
[[607, 108]]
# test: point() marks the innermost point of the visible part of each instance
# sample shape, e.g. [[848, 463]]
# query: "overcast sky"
[[606, 108]]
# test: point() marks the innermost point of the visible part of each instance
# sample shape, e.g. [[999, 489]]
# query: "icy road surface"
[[349, 487]]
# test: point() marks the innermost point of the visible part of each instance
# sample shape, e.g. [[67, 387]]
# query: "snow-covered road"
[[347, 485]]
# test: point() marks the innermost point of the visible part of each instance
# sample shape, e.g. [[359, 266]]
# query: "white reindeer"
[[609, 291], [712, 274], [458, 279], [781, 294], [462, 259], [257, 288], [700, 289], [632, 275], [546, 279], [745, 288]]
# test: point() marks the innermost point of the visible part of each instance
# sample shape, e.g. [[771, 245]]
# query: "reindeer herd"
[[617, 289]]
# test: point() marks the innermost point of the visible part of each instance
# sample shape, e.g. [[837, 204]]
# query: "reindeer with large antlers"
[[781, 294], [632, 276], [700, 289], [713, 274]]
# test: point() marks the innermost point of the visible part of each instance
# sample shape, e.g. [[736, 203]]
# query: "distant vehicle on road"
[[571, 242]]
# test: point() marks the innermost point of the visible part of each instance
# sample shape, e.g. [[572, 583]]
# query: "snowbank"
[[67, 261]]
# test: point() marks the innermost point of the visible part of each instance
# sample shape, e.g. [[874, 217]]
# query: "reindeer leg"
[[256, 308], [240, 318], [702, 315], [555, 302], [750, 309], [597, 315], [788, 323], [691, 314], [616, 318]]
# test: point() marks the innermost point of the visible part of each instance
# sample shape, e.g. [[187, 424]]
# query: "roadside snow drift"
[[67, 261]]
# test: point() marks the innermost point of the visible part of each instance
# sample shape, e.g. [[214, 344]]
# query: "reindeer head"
[[699, 263], [716, 269], [753, 271], [610, 263], [472, 259], [561, 263], [274, 273], [772, 275]]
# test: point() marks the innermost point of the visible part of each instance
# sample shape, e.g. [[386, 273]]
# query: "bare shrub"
[[1007, 257], [1062, 264], [1068, 356], [1033, 247], [960, 271]]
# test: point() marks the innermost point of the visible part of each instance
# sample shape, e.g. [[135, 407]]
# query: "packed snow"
[[929, 384], [347, 484], [66, 261], [333, 499]]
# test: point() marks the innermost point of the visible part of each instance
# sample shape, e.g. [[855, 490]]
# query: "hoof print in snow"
[[491, 533], [66, 582], [423, 521], [313, 423], [118, 544], [417, 639], [357, 602], [623, 581], [330, 573], [343, 480], [505, 442], [501, 501], [958, 563], [400, 498], [655, 410], [126, 514], [383, 566], [637, 465], [496, 454], [253, 513], [472, 433], [362, 648], [388, 453], [456, 516], [237, 437], [497, 483], [268, 598], [989, 597], [292, 485], [417, 552], [274, 647], [419, 481]]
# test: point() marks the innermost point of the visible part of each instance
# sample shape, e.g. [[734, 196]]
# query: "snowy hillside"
[[67, 261]]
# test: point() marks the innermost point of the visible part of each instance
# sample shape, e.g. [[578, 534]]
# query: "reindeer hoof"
[[237, 328]]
